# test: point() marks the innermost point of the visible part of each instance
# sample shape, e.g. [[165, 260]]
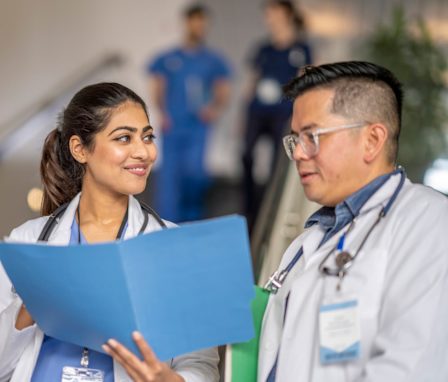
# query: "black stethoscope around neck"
[[344, 259], [55, 217]]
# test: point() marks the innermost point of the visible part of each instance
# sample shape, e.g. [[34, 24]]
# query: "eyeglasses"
[[309, 140]]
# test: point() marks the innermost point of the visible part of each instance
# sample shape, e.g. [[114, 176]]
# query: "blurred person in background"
[[190, 86], [274, 63]]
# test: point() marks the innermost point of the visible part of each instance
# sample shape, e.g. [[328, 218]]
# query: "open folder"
[[184, 288]]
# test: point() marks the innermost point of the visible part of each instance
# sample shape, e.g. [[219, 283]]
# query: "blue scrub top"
[[189, 76], [280, 65], [55, 354]]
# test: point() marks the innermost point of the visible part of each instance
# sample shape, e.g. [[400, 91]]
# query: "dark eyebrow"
[[131, 129], [305, 128]]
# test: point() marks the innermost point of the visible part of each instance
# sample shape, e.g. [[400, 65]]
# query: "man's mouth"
[[307, 176]]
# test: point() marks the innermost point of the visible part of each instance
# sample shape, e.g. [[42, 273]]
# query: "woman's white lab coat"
[[19, 349], [400, 280]]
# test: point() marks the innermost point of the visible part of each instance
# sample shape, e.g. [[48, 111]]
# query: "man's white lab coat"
[[401, 281]]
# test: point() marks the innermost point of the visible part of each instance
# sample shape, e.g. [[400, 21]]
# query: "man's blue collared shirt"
[[332, 219]]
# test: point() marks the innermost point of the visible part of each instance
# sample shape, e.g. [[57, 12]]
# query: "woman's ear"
[[375, 142], [77, 149]]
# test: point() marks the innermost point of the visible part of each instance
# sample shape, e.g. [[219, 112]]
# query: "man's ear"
[[375, 141], [77, 149]]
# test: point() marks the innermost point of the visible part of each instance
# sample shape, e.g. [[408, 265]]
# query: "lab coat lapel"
[[135, 218], [62, 231]]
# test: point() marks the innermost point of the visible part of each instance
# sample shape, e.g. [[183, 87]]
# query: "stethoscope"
[[344, 259], [54, 218]]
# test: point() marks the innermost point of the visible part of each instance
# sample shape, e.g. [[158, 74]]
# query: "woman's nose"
[[140, 149]]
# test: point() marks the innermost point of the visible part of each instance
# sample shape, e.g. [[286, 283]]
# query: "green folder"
[[244, 356]]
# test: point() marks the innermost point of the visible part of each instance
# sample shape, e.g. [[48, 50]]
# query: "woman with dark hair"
[[98, 157], [274, 63]]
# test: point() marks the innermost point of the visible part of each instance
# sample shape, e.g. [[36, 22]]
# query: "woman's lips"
[[139, 170]]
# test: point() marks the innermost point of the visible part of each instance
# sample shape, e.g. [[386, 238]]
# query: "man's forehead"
[[318, 96], [312, 106]]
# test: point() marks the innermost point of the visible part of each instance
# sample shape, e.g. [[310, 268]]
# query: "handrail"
[[14, 126]]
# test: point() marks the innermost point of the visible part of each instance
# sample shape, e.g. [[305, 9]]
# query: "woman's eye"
[[149, 137], [123, 138]]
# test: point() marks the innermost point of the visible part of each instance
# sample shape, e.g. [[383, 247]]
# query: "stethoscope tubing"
[[54, 218]]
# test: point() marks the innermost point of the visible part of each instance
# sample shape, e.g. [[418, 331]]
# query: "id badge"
[[339, 330], [81, 374]]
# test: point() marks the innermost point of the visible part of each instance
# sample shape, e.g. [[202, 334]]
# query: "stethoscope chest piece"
[[343, 260]]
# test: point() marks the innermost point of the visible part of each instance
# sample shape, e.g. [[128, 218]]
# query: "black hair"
[[361, 88], [88, 113], [197, 9]]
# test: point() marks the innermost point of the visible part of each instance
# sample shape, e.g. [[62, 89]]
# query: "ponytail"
[[61, 180]]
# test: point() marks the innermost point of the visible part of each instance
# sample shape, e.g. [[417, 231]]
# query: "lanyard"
[[344, 260]]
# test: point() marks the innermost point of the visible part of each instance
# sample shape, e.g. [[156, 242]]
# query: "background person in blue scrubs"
[[274, 63], [190, 88]]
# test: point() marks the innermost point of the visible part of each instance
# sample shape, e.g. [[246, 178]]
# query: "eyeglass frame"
[[315, 134]]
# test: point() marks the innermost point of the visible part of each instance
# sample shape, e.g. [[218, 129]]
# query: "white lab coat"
[[401, 280], [19, 349]]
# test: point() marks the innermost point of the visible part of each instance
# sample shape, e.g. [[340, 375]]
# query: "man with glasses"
[[362, 294]]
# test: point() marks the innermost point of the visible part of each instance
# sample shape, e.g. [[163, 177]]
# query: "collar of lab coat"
[[62, 231]]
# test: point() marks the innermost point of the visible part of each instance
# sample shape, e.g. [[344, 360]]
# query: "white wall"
[[42, 42]]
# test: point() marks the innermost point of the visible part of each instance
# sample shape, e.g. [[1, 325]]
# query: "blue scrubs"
[[182, 180], [55, 354], [268, 111]]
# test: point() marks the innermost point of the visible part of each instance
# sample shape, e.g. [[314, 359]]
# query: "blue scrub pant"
[[182, 179]]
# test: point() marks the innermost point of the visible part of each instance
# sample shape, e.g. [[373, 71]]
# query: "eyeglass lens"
[[306, 141]]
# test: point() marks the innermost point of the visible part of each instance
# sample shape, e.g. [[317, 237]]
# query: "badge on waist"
[[339, 330], [81, 374]]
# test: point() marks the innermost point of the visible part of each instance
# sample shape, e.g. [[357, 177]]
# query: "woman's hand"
[[24, 319], [148, 370]]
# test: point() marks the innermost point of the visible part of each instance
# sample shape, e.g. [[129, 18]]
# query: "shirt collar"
[[327, 217]]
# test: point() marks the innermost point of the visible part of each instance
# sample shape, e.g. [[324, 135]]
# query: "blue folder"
[[184, 288]]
